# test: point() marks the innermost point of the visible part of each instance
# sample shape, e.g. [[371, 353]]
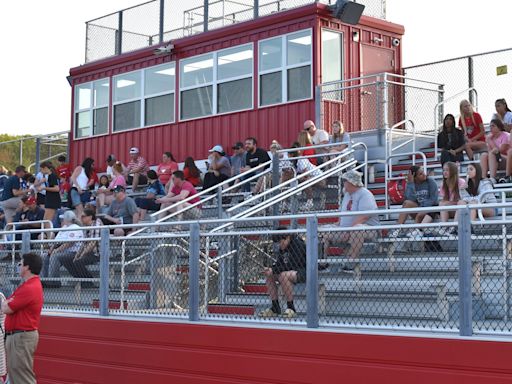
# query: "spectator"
[[81, 180], [51, 188], [122, 210], [64, 190], [28, 211], [219, 168], [88, 253], [104, 182], [137, 169], [318, 137], [421, 191], [303, 166], [154, 190], [191, 172], [23, 310], [166, 168], [180, 191], [504, 113], [238, 159], [498, 144], [477, 187], [451, 141], [338, 136], [304, 140], [60, 252], [64, 169], [288, 269], [356, 198], [2, 219], [254, 157], [38, 187], [452, 192], [105, 196], [111, 160], [13, 193], [473, 127]]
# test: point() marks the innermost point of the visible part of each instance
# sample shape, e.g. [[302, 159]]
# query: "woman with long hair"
[[81, 181], [105, 196], [452, 191], [451, 141], [477, 186], [52, 194], [473, 128], [166, 168], [338, 135], [498, 144], [304, 140], [191, 172], [504, 113]]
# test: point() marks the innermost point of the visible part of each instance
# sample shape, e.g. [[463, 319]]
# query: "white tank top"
[[82, 180]]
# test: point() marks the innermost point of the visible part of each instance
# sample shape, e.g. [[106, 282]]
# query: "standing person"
[[51, 187], [64, 169], [166, 168], [191, 172], [451, 141], [219, 168], [137, 169], [23, 310], [318, 137], [498, 144], [81, 180], [504, 113], [254, 157], [473, 127], [13, 193], [288, 269]]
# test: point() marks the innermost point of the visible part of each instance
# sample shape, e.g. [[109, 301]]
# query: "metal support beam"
[[312, 272], [465, 274], [471, 79], [38, 153], [104, 271], [206, 15], [161, 22], [193, 265], [119, 33], [25, 243]]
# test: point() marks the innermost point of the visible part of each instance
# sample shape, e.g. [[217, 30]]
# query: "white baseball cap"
[[134, 150], [217, 148]]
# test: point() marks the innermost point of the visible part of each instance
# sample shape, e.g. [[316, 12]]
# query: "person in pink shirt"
[[105, 196], [166, 168], [137, 169], [181, 189], [498, 142], [452, 191]]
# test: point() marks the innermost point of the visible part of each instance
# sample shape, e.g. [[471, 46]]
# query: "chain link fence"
[[157, 21]]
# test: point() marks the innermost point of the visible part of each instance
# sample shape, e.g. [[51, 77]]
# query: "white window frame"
[[142, 98], [215, 82], [91, 109], [284, 69], [342, 77]]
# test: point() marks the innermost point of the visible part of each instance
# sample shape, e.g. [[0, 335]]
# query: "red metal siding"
[[97, 351]]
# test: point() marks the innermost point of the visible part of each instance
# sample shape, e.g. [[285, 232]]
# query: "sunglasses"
[[308, 128]]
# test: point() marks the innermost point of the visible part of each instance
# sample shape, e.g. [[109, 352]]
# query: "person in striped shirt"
[[137, 169]]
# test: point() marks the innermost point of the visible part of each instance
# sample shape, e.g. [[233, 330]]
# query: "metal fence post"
[[193, 267], [318, 107], [471, 79], [219, 203], [104, 271], [25, 243], [275, 183], [206, 16], [119, 34], [161, 22], [312, 272], [38, 154], [256, 9], [465, 274]]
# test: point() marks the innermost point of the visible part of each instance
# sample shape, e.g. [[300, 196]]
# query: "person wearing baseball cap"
[[28, 211], [122, 210], [137, 169], [219, 167], [238, 159]]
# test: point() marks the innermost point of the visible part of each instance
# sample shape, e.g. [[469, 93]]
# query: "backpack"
[[396, 191]]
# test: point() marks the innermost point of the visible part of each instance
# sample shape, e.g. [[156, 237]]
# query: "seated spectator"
[[219, 168], [104, 182], [153, 191], [181, 190], [504, 113], [473, 128], [338, 136], [122, 210], [451, 141], [28, 211], [63, 169], [111, 160], [254, 157], [58, 253], [356, 198], [81, 181], [137, 169], [302, 166], [265, 181], [88, 252], [304, 140], [318, 137], [166, 168], [452, 192], [191, 172], [105, 196], [238, 160], [12, 193], [476, 187], [498, 143], [288, 269], [421, 191]]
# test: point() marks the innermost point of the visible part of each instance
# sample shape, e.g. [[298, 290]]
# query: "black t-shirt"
[[259, 156], [12, 182], [52, 198], [293, 258]]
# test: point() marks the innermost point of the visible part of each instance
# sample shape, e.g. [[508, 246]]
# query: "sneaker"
[[394, 232], [415, 234], [505, 180], [268, 313], [289, 313]]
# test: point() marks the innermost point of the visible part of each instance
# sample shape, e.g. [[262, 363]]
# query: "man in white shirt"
[[318, 137]]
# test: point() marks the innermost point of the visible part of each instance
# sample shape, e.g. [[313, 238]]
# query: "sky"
[[41, 40]]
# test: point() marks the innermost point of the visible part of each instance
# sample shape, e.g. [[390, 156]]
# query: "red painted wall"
[[94, 351]]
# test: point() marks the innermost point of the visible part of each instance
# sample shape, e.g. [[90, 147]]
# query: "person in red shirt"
[[23, 310], [473, 128], [166, 168], [191, 172], [180, 191], [137, 169], [63, 170]]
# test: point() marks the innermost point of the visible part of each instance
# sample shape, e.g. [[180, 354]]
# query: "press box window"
[[91, 108]]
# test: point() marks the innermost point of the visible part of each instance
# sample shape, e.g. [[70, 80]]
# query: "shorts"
[[77, 198]]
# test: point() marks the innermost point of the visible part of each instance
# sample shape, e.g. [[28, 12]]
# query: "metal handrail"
[[503, 194], [389, 140], [436, 110]]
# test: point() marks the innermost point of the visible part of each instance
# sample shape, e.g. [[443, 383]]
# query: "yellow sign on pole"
[[501, 70]]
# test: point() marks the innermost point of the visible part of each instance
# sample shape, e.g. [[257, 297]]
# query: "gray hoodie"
[[426, 194]]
